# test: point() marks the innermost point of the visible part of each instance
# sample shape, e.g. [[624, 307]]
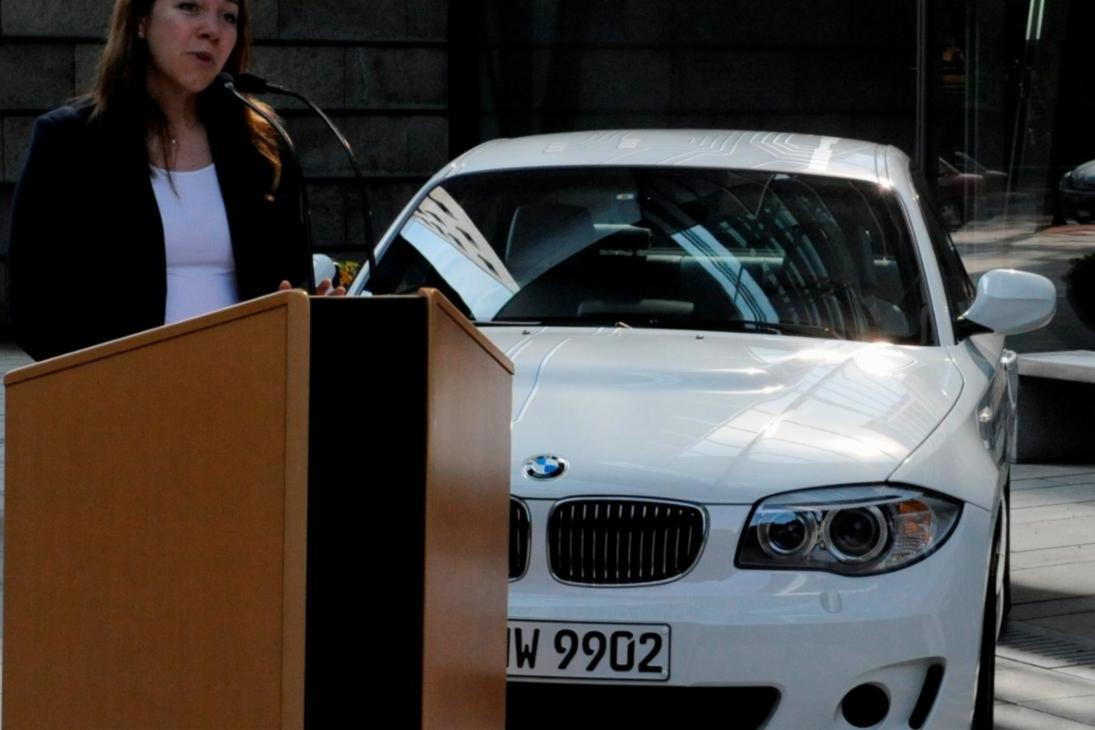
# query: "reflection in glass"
[[672, 248]]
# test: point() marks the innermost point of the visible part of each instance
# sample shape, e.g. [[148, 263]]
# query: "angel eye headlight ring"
[[788, 533], [857, 535]]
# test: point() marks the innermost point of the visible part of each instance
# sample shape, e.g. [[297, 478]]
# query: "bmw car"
[[761, 426]]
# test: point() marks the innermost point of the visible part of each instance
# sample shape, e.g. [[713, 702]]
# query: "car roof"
[[727, 149]]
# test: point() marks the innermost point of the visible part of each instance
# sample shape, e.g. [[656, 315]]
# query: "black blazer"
[[86, 257]]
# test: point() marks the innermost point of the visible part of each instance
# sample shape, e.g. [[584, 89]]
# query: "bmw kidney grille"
[[623, 541], [520, 534]]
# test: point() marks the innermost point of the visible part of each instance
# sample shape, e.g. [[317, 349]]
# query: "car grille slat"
[[592, 554], [623, 541], [570, 534], [520, 538], [665, 542], [626, 525], [582, 536], [652, 544], [677, 546], [608, 564], [654, 573]]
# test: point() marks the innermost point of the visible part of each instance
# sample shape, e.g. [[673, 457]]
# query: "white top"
[[201, 272]]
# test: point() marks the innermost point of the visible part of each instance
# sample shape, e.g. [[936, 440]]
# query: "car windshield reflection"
[[702, 249]]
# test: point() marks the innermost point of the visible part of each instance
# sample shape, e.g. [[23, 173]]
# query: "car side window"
[[956, 282]]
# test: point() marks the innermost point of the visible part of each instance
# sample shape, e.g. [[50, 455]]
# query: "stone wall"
[[379, 67], [840, 67]]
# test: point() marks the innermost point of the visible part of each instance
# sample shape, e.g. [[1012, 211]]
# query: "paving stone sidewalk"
[[1045, 677]]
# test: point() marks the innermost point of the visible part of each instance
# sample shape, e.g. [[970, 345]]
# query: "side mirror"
[[1010, 302], [323, 266]]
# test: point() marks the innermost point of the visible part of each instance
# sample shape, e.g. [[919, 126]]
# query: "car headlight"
[[861, 530]]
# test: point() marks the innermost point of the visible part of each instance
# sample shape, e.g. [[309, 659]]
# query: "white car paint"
[[726, 419], [741, 150], [1012, 302]]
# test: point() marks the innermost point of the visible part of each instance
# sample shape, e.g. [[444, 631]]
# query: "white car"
[[761, 426]]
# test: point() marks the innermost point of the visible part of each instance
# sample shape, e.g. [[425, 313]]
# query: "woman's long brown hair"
[[120, 94]]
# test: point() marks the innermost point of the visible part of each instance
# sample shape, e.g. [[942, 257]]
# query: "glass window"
[[960, 290], [667, 247]]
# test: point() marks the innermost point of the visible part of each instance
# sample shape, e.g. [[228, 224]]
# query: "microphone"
[[252, 84], [228, 83]]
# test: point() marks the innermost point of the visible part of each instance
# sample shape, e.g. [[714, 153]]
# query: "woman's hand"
[[323, 289]]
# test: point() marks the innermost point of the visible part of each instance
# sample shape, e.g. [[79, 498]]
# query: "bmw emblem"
[[544, 467]]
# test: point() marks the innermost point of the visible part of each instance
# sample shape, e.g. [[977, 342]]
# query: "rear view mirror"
[[1010, 302]]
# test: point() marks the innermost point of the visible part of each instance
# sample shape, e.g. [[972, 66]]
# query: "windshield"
[[704, 249]]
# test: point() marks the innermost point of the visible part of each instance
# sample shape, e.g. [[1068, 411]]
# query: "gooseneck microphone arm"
[[251, 84], [229, 84]]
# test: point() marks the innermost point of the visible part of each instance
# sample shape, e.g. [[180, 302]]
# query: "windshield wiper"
[[506, 323], [553, 322], [728, 325], [752, 325]]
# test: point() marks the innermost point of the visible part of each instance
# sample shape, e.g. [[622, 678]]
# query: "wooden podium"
[[290, 513]]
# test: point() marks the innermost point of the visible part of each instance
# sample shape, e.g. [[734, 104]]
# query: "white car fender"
[[955, 458]]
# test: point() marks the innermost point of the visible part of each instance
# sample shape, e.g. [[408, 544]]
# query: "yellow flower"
[[347, 270]]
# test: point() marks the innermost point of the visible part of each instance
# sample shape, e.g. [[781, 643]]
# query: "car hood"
[[716, 417]]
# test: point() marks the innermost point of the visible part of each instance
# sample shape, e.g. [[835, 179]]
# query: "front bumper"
[[812, 636]]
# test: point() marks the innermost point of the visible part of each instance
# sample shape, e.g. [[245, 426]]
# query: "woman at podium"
[[157, 194]]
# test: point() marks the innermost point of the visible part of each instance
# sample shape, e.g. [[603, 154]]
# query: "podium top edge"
[[436, 299], [291, 299]]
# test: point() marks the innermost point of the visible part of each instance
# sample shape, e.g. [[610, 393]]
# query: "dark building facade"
[[989, 89]]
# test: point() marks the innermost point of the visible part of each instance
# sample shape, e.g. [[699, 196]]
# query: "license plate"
[[638, 652]]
